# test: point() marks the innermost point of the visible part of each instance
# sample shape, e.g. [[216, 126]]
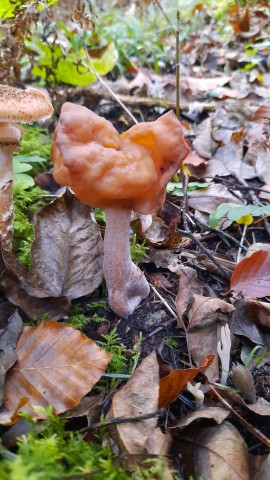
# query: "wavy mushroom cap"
[[105, 170]]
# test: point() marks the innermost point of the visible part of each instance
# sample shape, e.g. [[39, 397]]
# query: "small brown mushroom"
[[16, 105], [119, 174]]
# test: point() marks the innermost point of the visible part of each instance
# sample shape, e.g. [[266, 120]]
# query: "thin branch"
[[119, 420], [206, 251], [104, 84], [256, 433]]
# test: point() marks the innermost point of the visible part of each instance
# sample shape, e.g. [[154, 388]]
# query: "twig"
[[256, 433], [184, 203], [163, 301], [206, 251], [119, 420], [164, 14], [135, 101], [241, 244], [104, 84], [177, 66]]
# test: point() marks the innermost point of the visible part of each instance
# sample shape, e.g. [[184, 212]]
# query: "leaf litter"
[[229, 135]]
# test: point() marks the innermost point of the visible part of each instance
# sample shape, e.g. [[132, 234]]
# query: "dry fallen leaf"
[[217, 414], [138, 397], [249, 321], [217, 452], [10, 330], [67, 253], [209, 199], [195, 85], [189, 284], [252, 275], [34, 302], [173, 384], [206, 316], [57, 365]]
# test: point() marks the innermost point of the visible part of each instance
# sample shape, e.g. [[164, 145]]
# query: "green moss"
[[54, 453], [25, 202]]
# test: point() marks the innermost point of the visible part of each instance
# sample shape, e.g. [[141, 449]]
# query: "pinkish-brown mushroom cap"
[[105, 170]]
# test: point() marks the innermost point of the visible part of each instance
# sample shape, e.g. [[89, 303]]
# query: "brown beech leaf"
[[217, 452], [250, 322], [189, 284], [252, 275], [67, 251], [138, 397], [217, 414], [195, 160], [206, 317], [173, 384], [10, 330], [34, 302], [57, 365]]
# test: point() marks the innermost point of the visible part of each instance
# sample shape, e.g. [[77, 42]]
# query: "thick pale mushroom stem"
[[126, 284]]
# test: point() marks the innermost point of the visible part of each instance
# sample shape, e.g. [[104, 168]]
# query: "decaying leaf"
[[57, 365], [208, 200], [251, 321], [252, 275], [206, 317], [173, 384], [34, 302], [10, 330], [217, 452], [67, 250], [138, 397], [217, 414], [189, 285]]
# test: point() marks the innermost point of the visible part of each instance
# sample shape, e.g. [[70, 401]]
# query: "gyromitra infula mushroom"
[[119, 174]]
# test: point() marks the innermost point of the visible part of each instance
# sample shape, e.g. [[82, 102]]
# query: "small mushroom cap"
[[9, 134], [26, 106], [105, 170]]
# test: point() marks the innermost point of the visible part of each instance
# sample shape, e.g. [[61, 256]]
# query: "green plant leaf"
[[69, 68], [237, 212], [8, 7]]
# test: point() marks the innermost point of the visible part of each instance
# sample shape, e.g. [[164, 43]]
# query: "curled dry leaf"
[[173, 384], [252, 275], [217, 452], [10, 330], [206, 316], [217, 414], [249, 321], [57, 365], [67, 253], [138, 397]]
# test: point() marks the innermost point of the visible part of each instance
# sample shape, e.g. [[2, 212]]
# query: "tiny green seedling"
[[242, 214], [257, 358]]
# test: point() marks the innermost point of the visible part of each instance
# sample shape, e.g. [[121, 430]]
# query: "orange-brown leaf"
[[252, 275], [57, 365], [173, 384]]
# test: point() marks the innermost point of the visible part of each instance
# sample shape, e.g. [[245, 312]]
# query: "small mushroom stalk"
[[126, 284], [9, 140]]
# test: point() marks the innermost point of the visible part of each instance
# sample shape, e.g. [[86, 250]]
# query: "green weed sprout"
[[137, 250], [242, 214]]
